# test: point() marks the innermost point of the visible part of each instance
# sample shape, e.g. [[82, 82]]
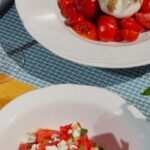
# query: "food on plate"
[[68, 137], [107, 28], [120, 8], [88, 8], [145, 6], [86, 29], [143, 19], [107, 20]]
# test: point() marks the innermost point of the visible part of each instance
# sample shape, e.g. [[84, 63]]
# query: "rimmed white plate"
[[107, 116], [43, 20]]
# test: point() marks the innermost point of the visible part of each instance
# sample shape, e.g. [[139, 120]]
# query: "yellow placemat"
[[11, 89]]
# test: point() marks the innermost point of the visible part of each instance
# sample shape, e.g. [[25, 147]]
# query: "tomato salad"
[[69, 137], [88, 19]]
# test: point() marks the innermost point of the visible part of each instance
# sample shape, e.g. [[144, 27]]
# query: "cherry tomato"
[[131, 24], [143, 19], [24, 147], [107, 28], [45, 134], [88, 8], [129, 35], [118, 37], [74, 19], [86, 29], [145, 6], [69, 10], [63, 3]]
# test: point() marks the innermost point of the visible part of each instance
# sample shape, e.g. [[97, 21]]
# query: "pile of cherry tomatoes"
[[86, 18]]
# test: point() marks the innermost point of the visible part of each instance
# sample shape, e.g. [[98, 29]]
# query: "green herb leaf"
[[84, 131], [146, 92]]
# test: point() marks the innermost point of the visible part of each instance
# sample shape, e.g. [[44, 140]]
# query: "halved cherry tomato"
[[86, 29], [143, 19], [74, 19], [25, 147], [69, 10], [118, 37], [129, 35], [88, 8], [107, 28], [131, 24], [63, 3], [145, 6], [45, 134]]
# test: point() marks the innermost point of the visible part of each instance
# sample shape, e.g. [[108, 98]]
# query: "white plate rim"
[[74, 58], [13, 104]]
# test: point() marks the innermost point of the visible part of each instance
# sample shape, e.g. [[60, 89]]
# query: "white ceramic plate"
[[43, 21], [107, 116]]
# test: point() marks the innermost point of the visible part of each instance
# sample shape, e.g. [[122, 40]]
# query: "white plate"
[[43, 20], [107, 116]]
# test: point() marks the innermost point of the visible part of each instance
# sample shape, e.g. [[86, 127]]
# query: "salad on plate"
[[68, 137], [107, 20]]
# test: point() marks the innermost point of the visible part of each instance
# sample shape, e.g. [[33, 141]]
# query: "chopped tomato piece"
[[45, 134], [85, 143], [24, 147], [65, 131]]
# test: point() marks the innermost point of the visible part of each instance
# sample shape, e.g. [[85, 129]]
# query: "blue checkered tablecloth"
[[43, 68]]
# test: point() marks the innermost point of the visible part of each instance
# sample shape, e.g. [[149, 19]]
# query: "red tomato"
[[131, 24], [24, 147], [41, 147], [69, 10], [118, 37], [85, 143], [63, 3], [129, 35], [143, 19], [88, 8], [45, 134], [145, 6], [107, 28], [64, 132], [74, 19], [86, 29]]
